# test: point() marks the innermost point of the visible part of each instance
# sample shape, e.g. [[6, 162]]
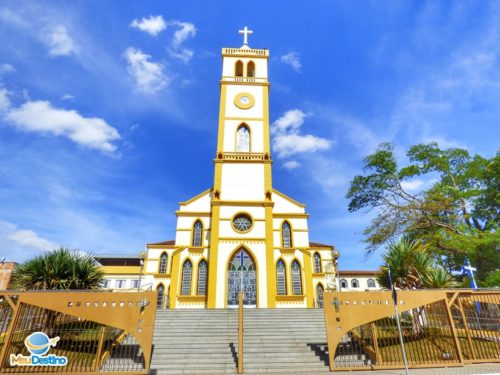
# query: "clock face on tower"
[[244, 100]]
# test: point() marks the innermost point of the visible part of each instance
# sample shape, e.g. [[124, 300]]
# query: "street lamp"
[[142, 256], [336, 256]]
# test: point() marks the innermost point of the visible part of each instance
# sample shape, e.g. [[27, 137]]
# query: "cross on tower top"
[[245, 32]]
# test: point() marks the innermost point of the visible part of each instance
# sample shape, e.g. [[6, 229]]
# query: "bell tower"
[[242, 178], [243, 161]]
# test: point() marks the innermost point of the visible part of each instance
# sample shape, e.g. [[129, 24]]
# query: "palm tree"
[[412, 267], [59, 269], [438, 278]]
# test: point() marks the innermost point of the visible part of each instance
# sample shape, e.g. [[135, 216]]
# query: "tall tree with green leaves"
[[457, 216], [59, 269]]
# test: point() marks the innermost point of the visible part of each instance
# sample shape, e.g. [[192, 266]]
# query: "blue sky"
[[108, 109]]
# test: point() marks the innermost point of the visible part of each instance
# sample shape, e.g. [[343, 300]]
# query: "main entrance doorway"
[[241, 275]]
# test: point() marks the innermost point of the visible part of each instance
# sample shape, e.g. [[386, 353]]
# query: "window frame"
[[284, 278], [294, 274], [197, 236], [203, 261], [290, 241], [318, 267], [186, 288], [163, 264]]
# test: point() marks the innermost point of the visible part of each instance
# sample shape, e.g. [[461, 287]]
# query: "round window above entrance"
[[242, 223]]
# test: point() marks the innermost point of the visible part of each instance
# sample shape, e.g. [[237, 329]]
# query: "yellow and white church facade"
[[241, 234]]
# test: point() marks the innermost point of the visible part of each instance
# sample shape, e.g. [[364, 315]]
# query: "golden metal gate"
[[440, 328], [76, 332]]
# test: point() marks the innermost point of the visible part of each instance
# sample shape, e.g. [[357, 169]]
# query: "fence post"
[[467, 331], [102, 331], [9, 333], [240, 333], [373, 328], [454, 333]]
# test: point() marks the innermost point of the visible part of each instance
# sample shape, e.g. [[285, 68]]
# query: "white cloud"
[[58, 40], [287, 139], [292, 59], [152, 25], [291, 164], [185, 55], [67, 97], [412, 185], [30, 240], [291, 144], [4, 100], [186, 30], [291, 120], [149, 76], [42, 117], [7, 68]]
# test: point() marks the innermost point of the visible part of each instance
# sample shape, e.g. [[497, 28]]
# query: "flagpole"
[[395, 300]]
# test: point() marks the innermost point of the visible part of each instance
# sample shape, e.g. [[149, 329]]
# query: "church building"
[[241, 234]]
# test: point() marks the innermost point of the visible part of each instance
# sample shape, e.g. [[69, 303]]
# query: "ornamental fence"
[[76, 332], [440, 328]]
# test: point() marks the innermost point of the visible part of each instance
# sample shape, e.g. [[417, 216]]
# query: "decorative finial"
[[245, 33]]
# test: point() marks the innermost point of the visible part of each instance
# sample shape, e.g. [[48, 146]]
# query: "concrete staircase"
[[206, 341]]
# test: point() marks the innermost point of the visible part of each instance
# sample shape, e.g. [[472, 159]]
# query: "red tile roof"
[[317, 244], [358, 273], [166, 243]]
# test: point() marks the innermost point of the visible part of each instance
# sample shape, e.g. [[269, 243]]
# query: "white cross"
[[245, 33], [471, 270]]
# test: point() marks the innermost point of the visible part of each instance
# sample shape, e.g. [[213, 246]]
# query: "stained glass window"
[[160, 295], [243, 139], [202, 278], [187, 270], [242, 223], [286, 234], [242, 277], [163, 263], [296, 278], [319, 294], [281, 277], [197, 233], [317, 263]]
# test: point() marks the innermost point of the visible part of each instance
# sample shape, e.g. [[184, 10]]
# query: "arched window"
[[238, 69], [163, 263], [251, 69], [160, 295], [281, 277], [187, 271], [354, 283], [319, 295], [296, 278], [202, 278], [286, 234], [243, 139], [197, 233], [343, 283], [371, 283], [317, 263]]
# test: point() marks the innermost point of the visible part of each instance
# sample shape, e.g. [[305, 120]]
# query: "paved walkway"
[[467, 370]]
